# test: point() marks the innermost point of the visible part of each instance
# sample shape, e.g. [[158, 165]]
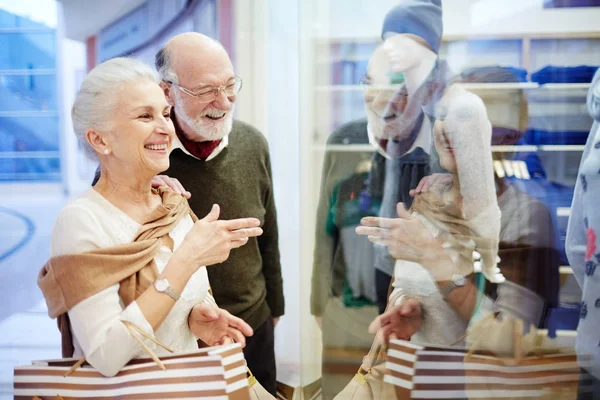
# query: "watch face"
[[459, 280], [161, 285]]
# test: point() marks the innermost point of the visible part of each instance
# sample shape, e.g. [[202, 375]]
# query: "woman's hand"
[[210, 241], [428, 182], [215, 326], [406, 237], [399, 322]]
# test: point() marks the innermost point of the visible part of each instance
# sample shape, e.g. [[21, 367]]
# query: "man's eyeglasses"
[[211, 93]]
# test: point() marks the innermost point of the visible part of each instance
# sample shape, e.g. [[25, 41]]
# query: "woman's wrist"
[[178, 271], [438, 262], [184, 261]]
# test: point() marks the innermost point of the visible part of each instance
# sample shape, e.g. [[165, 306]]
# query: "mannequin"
[[582, 249], [459, 120], [401, 118]]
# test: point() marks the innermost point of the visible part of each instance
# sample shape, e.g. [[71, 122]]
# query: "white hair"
[[96, 100], [163, 65]]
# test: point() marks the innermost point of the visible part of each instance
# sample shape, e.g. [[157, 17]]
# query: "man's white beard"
[[206, 130]]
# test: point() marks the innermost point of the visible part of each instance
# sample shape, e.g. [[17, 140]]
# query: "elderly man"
[[226, 162]]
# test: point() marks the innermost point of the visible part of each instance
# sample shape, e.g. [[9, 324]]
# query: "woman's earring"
[[106, 151]]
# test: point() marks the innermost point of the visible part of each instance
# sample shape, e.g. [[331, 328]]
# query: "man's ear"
[[168, 93]]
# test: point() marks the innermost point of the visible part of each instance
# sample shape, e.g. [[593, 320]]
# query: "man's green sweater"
[[248, 284]]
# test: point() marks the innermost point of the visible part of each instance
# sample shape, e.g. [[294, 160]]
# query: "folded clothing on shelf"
[[348, 72], [557, 117], [493, 74], [563, 317], [554, 195], [555, 74], [543, 137]]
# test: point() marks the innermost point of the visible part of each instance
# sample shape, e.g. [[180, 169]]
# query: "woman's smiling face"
[[142, 131]]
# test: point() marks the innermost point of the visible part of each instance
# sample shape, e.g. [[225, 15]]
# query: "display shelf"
[[495, 149], [500, 86], [563, 86], [565, 270], [480, 36], [345, 147], [470, 86], [565, 339], [562, 147], [517, 148]]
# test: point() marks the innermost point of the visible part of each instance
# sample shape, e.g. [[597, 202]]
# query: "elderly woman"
[[124, 251]]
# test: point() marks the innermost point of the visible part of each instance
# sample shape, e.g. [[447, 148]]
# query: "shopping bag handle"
[[251, 378], [377, 349], [135, 331]]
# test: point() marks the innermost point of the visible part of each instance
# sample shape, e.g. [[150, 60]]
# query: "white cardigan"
[[92, 222]]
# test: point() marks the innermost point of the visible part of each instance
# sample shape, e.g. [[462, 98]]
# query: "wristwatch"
[[162, 285], [456, 282]]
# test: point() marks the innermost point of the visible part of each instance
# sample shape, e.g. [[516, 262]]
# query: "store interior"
[[530, 61]]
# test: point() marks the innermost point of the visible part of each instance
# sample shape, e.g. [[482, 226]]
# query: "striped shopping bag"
[[436, 372], [210, 373]]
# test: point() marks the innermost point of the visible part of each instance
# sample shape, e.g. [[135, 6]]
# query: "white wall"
[[78, 171], [363, 18], [472, 17]]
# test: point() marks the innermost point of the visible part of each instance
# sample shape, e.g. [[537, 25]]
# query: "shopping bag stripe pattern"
[[145, 396], [212, 373], [200, 367], [445, 373], [142, 382]]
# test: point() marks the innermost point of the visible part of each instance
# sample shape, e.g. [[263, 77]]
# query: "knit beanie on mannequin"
[[422, 18]]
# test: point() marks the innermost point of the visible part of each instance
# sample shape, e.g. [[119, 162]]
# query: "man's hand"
[[430, 181], [406, 237], [174, 184], [400, 322], [215, 326], [275, 321]]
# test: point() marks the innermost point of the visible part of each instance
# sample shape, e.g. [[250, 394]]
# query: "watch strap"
[[446, 290], [172, 293], [163, 286]]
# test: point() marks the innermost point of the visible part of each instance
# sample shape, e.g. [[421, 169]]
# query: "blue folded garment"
[[554, 74], [552, 194], [494, 74], [563, 317], [543, 137]]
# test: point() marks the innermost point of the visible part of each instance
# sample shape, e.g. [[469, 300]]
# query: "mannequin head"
[[406, 52], [420, 18], [412, 32]]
